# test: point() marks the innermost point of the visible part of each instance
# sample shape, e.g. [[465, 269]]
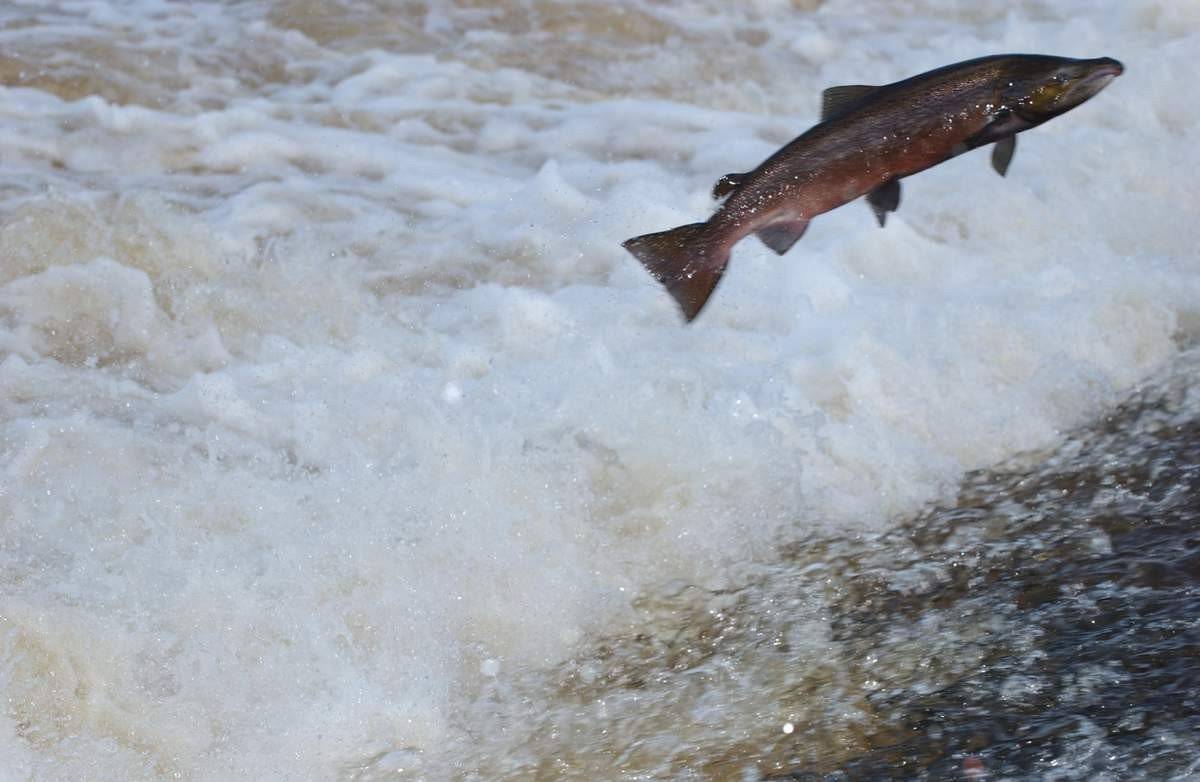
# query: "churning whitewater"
[[332, 410]]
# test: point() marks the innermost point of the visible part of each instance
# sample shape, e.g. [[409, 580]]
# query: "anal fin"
[[884, 199], [782, 235]]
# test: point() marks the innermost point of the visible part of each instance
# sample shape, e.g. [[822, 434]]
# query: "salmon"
[[868, 139]]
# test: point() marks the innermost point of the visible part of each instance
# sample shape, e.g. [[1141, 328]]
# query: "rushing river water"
[[340, 439], [1044, 625]]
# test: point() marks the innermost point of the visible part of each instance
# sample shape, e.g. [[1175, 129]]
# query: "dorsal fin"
[[835, 99]]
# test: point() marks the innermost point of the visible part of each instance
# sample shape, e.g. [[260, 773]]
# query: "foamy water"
[[329, 399]]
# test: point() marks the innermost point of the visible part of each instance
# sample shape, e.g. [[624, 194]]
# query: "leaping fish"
[[868, 139]]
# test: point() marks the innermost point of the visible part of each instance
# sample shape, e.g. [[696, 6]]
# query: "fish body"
[[869, 138]]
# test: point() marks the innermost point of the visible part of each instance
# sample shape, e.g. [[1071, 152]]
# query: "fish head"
[[1041, 88]]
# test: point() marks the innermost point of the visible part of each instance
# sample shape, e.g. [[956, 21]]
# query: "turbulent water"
[[340, 439]]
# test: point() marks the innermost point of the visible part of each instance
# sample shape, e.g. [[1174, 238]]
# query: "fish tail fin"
[[686, 260]]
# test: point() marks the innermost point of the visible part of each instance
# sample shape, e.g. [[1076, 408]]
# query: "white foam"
[[329, 395]]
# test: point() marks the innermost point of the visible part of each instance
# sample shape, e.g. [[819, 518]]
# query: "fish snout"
[[1093, 77], [1107, 67]]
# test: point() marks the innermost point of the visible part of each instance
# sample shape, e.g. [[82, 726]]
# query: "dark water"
[[1085, 571], [1045, 626]]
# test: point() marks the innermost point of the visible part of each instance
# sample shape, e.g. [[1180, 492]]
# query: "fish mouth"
[[1108, 67], [1094, 79], [1104, 71]]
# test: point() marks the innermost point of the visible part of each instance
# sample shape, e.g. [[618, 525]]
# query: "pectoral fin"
[[1006, 124], [782, 235], [884, 199], [1002, 154], [836, 99], [727, 184]]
